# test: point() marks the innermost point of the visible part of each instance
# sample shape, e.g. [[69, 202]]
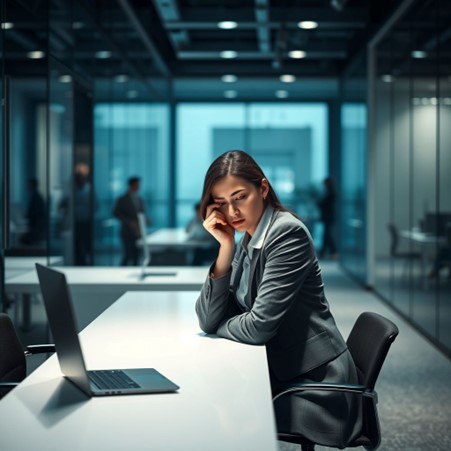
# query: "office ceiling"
[[173, 47]]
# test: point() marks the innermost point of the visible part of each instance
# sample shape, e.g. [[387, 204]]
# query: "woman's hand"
[[215, 223]]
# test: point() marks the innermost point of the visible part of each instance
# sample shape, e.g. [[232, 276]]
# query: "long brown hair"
[[239, 164]]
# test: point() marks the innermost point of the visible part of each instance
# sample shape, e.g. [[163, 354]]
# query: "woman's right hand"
[[216, 224]]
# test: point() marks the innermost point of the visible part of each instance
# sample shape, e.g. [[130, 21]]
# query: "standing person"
[[327, 215], [35, 216], [126, 209], [269, 291], [84, 207]]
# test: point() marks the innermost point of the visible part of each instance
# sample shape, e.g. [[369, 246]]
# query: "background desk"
[[428, 244], [96, 288], [174, 243], [224, 402]]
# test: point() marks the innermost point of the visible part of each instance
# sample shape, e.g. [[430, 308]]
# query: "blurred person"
[[208, 246], [326, 207], [35, 216], [126, 209]]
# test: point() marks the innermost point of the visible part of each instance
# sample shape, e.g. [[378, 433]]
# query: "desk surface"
[[224, 402], [175, 237], [422, 238], [111, 279]]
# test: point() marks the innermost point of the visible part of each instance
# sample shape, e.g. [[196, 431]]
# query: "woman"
[[270, 292]]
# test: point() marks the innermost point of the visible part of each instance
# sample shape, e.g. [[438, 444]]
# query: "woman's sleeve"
[[289, 257], [215, 302]]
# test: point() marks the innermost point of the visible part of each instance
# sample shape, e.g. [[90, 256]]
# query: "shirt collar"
[[256, 242]]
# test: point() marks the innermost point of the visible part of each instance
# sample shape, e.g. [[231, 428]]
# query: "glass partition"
[[413, 158]]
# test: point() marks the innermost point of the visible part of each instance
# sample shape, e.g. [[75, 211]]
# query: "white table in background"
[[96, 288], [224, 402], [428, 244], [175, 239]]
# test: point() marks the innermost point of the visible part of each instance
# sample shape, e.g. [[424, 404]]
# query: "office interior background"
[[358, 90]]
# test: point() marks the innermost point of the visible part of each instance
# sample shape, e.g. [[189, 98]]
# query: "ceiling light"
[[36, 54], [7, 25], [419, 54], [103, 54], [286, 78], [228, 54], [121, 78], [297, 54], [229, 78], [64, 78], [227, 24], [388, 78], [308, 24], [281, 94], [230, 94]]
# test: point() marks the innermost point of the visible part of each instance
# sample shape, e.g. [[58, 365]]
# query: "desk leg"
[[26, 312]]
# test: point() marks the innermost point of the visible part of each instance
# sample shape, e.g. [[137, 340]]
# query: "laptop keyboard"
[[111, 379]]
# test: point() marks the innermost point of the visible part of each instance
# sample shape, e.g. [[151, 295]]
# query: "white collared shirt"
[[256, 242]]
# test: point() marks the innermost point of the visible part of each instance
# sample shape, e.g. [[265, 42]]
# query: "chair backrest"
[[12, 358], [369, 342], [394, 238]]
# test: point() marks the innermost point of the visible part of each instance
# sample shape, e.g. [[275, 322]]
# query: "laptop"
[[60, 315]]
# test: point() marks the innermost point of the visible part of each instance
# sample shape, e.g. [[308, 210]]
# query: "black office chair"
[[13, 367], [407, 256], [369, 342]]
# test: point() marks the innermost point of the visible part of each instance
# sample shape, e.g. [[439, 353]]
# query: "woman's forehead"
[[229, 185]]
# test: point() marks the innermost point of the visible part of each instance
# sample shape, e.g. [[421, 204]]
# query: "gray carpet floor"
[[414, 386]]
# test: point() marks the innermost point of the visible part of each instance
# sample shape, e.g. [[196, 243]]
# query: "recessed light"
[[287, 78], [281, 94], [103, 54], [65, 78], [308, 24], [228, 54], [229, 78], [7, 25], [388, 78], [36, 54], [419, 54], [227, 24], [297, 54], [121, 78], [230, 94]]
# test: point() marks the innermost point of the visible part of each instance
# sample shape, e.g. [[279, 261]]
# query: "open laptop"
[[58, 305]]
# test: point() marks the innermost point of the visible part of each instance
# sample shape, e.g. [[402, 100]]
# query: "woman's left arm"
[[289, 256]]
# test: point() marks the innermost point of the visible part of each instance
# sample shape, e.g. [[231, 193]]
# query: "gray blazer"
[[288, 311]]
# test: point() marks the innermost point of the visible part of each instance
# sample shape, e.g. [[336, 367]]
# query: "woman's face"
[[241, 202]]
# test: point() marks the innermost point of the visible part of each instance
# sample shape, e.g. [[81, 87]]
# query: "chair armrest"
[[40, 349], [362, 390]]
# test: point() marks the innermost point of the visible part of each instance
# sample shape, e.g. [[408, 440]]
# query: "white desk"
[[174, 238], [428, 246], [20, 265], [163, 242], [96, 288], [224, 402]]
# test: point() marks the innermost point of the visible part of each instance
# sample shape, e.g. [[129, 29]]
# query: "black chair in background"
[[369, 342], [13, 366], [407, 256]]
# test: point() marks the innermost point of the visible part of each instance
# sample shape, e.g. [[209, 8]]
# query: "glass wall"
[[130, 140], [412, 157], [289, 141]]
